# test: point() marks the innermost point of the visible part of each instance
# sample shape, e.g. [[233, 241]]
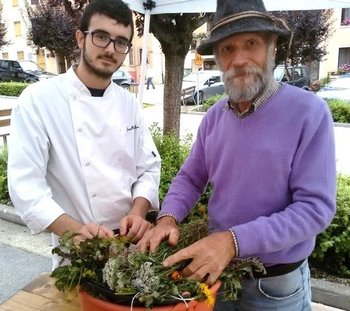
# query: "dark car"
[[298, 76], [123, 78], [22, 71], [206, 83]]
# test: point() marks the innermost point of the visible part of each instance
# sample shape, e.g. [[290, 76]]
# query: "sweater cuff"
[[168, 215], [235, 242]]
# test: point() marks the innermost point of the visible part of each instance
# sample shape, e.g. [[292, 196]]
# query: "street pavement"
[[24, 256]]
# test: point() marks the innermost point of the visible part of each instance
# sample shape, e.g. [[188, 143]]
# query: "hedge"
[[12, 88]]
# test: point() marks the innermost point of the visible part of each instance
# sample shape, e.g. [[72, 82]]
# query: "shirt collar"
[[270, 90]]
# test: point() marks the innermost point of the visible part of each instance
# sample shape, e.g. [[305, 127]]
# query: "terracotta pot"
[[90, 303]]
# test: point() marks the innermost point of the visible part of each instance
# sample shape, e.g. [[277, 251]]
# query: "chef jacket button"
[[94, 195], [87, 163], [80, 129]]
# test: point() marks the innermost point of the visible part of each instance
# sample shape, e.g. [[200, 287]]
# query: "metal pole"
[[144, 56]]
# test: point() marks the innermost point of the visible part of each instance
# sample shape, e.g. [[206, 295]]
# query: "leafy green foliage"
[[126, 271], [340, 110], [211, 101], [12, 88], [173, 153], [4, 193], [88, 258], [332, 251]]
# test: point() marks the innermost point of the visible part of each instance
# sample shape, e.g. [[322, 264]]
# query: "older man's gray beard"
[[246, 83]]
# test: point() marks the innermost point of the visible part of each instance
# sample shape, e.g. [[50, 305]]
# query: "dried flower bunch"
[[134, 277]]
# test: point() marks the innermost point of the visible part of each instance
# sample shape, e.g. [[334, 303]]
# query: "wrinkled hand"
[[166, 229], [91, 230], [210, 256], [134, 227]]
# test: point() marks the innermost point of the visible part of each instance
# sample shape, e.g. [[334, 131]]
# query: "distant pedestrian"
[[150, 78]]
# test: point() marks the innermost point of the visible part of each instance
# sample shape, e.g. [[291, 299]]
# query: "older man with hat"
[[267, 150]]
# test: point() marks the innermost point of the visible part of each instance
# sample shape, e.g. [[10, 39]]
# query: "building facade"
[[338, 45], [14, 15]]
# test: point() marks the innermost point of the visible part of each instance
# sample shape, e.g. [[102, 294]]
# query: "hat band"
[[238, 16]]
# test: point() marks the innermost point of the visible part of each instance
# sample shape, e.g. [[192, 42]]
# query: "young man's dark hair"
[[115, 9]]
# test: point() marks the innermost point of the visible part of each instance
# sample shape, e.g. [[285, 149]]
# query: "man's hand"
[[166, 229], [66, 223], [134, 227], [91, 230], [209, 256]]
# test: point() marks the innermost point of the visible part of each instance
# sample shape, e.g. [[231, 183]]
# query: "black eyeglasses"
[[102, 40]]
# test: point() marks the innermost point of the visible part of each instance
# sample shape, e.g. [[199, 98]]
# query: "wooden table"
[[40, 295]]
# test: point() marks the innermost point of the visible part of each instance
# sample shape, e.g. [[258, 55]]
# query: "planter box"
[[90, 303]]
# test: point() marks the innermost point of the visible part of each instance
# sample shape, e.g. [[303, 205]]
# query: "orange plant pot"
[[90, 303]]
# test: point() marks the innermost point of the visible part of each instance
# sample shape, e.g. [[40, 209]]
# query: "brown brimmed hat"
[[239, 16]]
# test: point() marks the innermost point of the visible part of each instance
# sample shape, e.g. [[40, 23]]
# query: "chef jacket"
[[73, 153]]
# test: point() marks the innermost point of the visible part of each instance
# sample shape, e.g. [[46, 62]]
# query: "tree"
[[175, 34], [311, 30], [53, 26], [3, 30]]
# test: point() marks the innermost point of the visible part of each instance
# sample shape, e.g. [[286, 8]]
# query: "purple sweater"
[[273, 175]]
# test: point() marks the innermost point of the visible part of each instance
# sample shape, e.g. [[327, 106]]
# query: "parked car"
[[298, 76], [22, 71], [337, 89], [207, 84], [123, 78]]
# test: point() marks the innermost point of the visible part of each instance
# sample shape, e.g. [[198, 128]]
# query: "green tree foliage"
[[3, 30], [311, 30], [175, 34]]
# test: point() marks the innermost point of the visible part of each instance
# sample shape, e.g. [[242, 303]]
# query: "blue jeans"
[[150, 82], [288, 292]]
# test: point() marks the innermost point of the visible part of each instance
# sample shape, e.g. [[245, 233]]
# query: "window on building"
[[345, 17], [18, 30], [5, 55], [20, 55], [140, 56], [344, 57], [131, 57], [14, 2], [33, 2]]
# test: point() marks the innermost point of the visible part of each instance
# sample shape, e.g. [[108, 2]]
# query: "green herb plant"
[[127, 272]]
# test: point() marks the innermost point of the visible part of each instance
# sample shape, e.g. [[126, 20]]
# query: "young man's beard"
[[247, 82], [91, 67]]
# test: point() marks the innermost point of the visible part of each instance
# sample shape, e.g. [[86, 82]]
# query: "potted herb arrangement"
[[112, 275]]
